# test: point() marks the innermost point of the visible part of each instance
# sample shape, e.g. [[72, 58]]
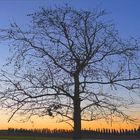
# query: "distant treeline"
[[98, 133]]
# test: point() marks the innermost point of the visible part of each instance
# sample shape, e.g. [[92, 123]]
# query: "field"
[[45, 138], [30, 138]]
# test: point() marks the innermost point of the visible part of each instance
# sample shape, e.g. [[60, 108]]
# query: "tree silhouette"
[[69, 63], [95, 134]]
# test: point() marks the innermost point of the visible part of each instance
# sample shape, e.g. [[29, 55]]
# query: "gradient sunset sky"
[[124, 13]]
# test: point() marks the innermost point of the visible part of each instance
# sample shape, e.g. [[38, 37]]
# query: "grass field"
[[47, 138], [30, 138]]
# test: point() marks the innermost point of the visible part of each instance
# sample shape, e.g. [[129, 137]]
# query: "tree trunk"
[[77, 111]]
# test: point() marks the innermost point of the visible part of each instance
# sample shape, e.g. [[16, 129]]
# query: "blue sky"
[[124, 13]]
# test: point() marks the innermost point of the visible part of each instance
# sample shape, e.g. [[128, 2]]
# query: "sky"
[[124, 13]]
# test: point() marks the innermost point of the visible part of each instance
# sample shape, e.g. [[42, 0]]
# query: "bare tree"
[[69, 63]]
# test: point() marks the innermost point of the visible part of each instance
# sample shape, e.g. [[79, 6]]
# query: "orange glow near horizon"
[[53, 123]]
